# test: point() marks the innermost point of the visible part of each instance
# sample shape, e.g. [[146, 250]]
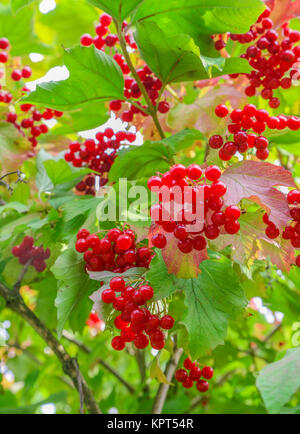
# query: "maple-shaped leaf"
[[183, 265], [244, 243], [281, 253], [255, 181], [251, 243]]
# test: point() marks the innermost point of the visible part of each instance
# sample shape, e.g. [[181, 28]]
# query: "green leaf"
[[151, 157], [16, 5], [75, 287], [176, 58], [32, 408], [163, 283], [45, 307], [279, 381], [60, 171], [198, 17], [211, 301], [18, 28], [119, 9], [86, 117], [93, 76]]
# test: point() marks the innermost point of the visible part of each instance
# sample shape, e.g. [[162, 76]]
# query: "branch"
[[22, 274], [163, 388], [79, 386], [151, 107], [102, 362], [20, 174], [69, 365]]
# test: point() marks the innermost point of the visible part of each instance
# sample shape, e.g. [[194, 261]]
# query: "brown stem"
[[69, 365], [151, 107], [163, 388], [100, 361]]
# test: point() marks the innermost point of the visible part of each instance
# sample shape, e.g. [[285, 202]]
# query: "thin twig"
[[22, 274], [272, 333], [163, 388], [151, 107], [79, 386], [99, 361], [6, 184], [16, 303]]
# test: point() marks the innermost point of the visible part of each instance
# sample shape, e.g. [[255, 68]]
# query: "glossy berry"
[[118, 343], [202, 386], [212, 173], [207, 372], [221, 111]]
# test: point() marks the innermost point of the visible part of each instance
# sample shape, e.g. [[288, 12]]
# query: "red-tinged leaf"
[[281, 254], [244, 243], [284, 10], [183, 265], [255, 181]]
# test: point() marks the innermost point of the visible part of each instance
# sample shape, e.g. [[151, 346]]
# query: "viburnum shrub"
[[27, 119], [273, 54], [174, 258], [191, 373]]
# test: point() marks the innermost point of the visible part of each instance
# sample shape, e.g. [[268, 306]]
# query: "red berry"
[[86, 40], [117, 284], [188, 383], [118, 343], [113, 234], [221, 111], [163, 107], [207, 372], [195, 373], [212, 173], [188, 364], [81, 245], [194, 172], [16, 75], [202, 386], [105, 20], [3, 57], [4, 43], [167, 322], [216, 142], [124, 242], [178, 171], [199, 243], [26, 72], [272, 232], [108, 296], [298, 261], [294, 197], [181, 375], [141, 341], [159, 241]]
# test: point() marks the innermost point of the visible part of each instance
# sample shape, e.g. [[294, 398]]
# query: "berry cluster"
[[292, 231], [104, 38], [273, 57], [245, 131], [132, 90], [194, 184], [136, 322], [116, 252], [26, 252], [28, 120], [98, 155], [187, 379], [88, 185], [152, 85]]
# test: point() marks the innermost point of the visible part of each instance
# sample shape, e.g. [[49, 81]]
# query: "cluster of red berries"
[[136, 322], [88, 185], [116, 252], [292, 231], [132, 90], [98, 155], [273, 56], [193, 183], [247, 126], [26, 252], [29, 122], [187, 379], [104, 38], [16, 74], [32, 121], [151, 83]]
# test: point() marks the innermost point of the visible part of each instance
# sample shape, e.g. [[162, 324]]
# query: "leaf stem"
[[151, 107]]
